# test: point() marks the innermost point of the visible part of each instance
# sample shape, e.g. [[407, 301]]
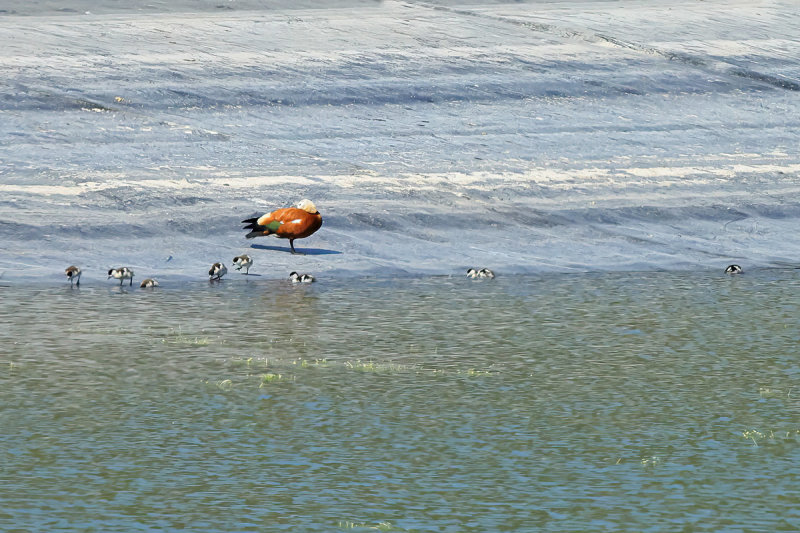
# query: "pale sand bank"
[[526, 137]]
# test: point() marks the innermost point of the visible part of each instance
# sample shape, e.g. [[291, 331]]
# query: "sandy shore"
[[526, 137]]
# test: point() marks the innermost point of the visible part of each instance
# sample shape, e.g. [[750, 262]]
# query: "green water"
[[593, 402]]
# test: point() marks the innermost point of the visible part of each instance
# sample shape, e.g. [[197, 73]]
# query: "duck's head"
[[111, 272], [307, 206], [472, 273]]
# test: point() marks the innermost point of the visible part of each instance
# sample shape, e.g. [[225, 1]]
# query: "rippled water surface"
[[639, 402]]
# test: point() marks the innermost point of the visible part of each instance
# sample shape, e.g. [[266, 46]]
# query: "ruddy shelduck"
[[121, 273], [217, 271], [297, 222], [243, 262], [73, 275]]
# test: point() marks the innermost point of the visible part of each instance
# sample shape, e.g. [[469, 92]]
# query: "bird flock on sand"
[[296, 222]]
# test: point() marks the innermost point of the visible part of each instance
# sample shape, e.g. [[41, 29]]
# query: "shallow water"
[[639, 402]]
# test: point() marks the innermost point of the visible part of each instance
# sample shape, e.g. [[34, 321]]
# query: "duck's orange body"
[[287, 223]]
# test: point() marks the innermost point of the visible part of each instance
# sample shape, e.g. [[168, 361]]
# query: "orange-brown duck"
[[291, 223]]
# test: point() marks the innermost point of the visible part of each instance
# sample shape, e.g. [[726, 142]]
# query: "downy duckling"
[[74, 275], [121, 273], [301, 278], [217, 271], [734, 269], [482, 273], [148, 283], [243, 262]]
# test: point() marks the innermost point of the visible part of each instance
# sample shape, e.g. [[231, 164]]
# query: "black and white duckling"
[[482, 273], [121, 273], [74, 275], [217, 271], [733, 269], [294, 277], [243, 262], [148, 283]]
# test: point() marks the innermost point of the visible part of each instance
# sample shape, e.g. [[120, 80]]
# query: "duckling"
[[243, 261], [301, 278], [74, 275], [734, 269], [482, 273], [217, 271], [121, 273], [148, 283]]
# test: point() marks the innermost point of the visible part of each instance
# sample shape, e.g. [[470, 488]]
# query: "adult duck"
[[297, 222]]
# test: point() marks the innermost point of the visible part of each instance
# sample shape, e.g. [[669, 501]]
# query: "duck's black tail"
[[256, 230]]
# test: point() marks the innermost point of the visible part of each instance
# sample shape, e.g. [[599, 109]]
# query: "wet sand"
[[527, 137]]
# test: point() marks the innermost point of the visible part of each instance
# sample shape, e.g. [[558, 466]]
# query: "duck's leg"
[[291, 244], [131, 281], [120, 281]]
